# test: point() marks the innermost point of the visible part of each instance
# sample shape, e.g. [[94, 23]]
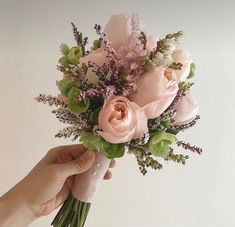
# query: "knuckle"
[[78, 163], [56, 149]]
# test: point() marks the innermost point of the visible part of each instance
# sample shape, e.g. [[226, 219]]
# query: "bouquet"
[[127, 94]]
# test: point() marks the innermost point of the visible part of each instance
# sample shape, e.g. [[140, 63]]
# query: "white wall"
[[200, 194]]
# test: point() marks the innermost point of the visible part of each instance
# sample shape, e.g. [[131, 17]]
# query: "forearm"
[[13, 211]]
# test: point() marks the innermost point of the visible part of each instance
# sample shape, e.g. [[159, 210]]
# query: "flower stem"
[[73, 213], [65, 213], [61, 211]]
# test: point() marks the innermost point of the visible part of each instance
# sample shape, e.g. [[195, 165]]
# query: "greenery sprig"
[[163, 44]]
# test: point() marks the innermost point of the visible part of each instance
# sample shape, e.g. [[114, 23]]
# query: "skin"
[[47, 186]]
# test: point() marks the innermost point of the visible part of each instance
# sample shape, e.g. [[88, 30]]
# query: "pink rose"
[[118, 30], [121, 120], [156, 89], [186, 109], [151, 43], [97, 56], [183, 57]]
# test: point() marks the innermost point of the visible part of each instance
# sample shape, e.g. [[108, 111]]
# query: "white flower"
[[162, 59]]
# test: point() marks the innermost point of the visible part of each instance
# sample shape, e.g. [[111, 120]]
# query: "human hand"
[[47, 186]]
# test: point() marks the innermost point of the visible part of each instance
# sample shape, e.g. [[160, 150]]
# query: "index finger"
[[63, 153]]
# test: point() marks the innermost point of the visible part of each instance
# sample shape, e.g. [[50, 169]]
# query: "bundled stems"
[[73, 213]]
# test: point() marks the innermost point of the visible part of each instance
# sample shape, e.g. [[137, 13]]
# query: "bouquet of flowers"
[[127, 94]]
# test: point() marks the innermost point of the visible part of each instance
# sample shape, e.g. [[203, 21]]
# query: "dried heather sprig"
[[156, 123], [104, 92], [65, 116], [135, 23], [100, 71], [176, 100], [81, 42], [92, 92], [75, 71], [180, 158], [143, 156], [145, 160], [51, 101], [77, 74], [186, 125], [188, 146], [106, 45], [70, 131]]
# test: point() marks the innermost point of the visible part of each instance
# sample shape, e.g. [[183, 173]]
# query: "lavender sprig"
[[188, 146]]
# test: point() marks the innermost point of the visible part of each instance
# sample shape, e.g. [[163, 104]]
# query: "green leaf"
[[166, 123], [65, 85], [172, 131], [74, 105], [192, 71], [159, 143], [161, 149], [96, 44], [64, 48], [115, 151], [64, 61], [94, 116], [94, 142], [74, 55]]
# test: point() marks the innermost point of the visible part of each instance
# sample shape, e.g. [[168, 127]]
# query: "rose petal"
[[117, 30], [187, 109], [156, 108], [142, 121], [96, 56], [183, 57], [115, 139]]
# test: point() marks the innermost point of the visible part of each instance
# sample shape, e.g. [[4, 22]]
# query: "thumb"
[[79, 165]]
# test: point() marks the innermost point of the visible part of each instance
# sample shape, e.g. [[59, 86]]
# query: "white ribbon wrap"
[[87, 183]]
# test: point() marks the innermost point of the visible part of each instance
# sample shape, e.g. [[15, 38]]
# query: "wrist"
[[14, 211]]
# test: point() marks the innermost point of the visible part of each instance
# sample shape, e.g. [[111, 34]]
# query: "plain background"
[[202, 193]]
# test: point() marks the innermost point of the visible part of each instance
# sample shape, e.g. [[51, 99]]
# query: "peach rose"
[[121, 120], [186, 109], [182, 56], [97, 56], [156, 89]]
